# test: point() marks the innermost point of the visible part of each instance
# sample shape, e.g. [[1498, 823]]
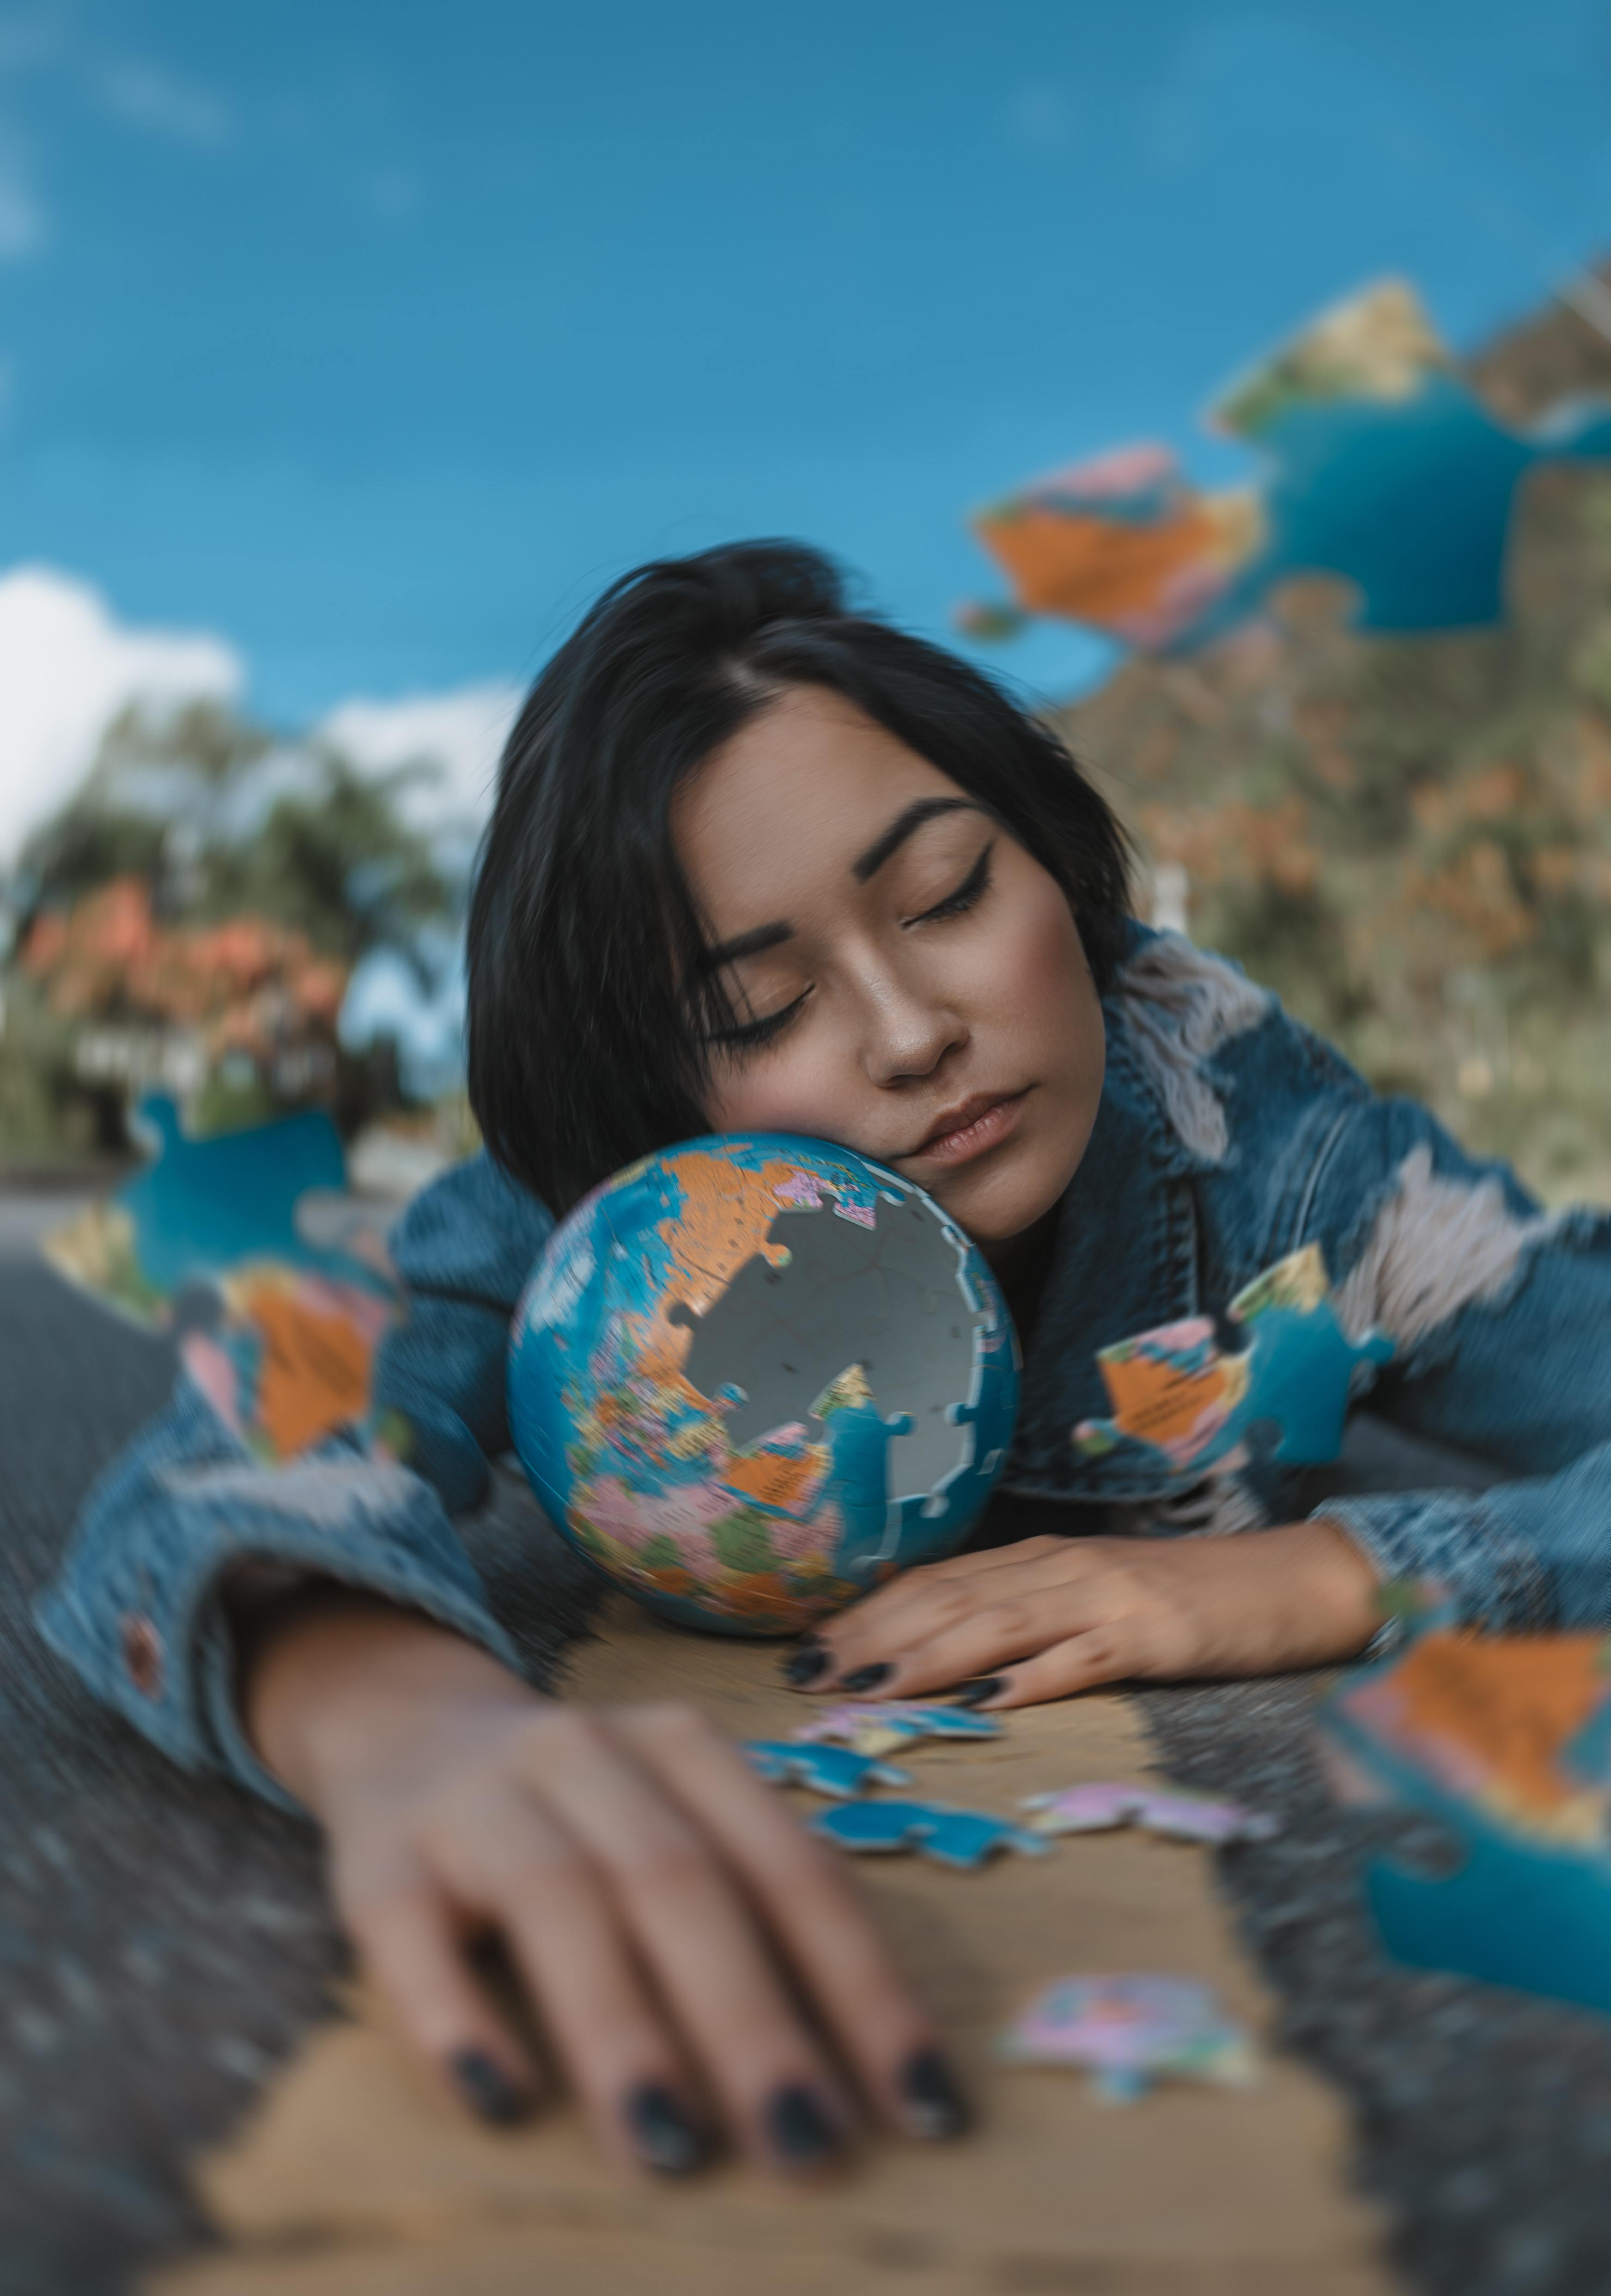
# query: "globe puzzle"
[[751, 1377]]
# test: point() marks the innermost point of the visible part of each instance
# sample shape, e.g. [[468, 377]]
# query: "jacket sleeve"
[[1501, 1314], [137, 1607]]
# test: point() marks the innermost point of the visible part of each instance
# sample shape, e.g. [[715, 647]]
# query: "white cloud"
[[460, 734], [67, 667]]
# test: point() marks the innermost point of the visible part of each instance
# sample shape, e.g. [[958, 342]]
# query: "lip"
[[981, 1121]]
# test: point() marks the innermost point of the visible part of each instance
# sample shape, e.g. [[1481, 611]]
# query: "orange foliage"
[[246, 981]]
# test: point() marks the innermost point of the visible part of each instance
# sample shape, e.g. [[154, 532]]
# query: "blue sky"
[[376, 335]]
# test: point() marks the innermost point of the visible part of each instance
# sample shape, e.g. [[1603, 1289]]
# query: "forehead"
[[785, 806]]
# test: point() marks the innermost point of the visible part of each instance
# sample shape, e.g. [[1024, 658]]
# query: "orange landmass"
[[722, 1226], [1097, 569], [1514, 1701], [316, 1368], [1162, 1402], [774, 1478]]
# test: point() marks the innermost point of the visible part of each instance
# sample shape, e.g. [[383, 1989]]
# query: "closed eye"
[[973, 887], [752, 1034]]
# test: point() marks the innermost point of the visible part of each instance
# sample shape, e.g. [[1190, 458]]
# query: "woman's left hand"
[[1050, 1616]]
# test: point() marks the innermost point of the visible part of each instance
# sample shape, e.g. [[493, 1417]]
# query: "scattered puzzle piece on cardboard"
[[1101, 1806], [872, 1728], [1130, 2031], [963, 1838], [833, 1770]]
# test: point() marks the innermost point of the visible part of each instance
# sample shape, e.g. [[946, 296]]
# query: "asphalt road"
[[163, 1940]]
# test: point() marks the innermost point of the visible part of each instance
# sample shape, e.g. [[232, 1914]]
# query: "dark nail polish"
[[798, 2129], [974, 1693], [934, 2104], [868, 1678], [803, 1666], [486, 2088], [662, 2135]]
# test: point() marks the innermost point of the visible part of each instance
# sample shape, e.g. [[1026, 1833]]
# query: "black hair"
[[586, 1047]]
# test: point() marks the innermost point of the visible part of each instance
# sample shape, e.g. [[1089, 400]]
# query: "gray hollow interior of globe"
[[890, 1299]]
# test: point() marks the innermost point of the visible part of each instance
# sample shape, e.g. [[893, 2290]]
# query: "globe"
[[753, 1376]]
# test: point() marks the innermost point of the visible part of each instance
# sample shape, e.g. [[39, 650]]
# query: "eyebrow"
[[866, 865], [884, 848], [750, 944]]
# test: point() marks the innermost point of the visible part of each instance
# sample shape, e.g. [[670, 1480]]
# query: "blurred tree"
[[190, 918]]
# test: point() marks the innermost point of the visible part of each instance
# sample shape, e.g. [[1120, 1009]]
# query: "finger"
[[954, 1643], [873, 1651], [876, 1614], [813, 1912], [1083, 1662], [408, 1941], [698, 1938], [507, 1859]]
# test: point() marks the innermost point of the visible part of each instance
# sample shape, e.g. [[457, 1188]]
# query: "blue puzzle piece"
[[1298, 1371], [1522, 1907], [960, 1838], [207, 1205], [833, 1770], [1302, 1374]]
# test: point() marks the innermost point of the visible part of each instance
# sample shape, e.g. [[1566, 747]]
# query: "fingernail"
[[868, 1678], [662, 2134], [486, 2088], [934, 2104], [803, 1666], [798, 2129], [974, 1693]]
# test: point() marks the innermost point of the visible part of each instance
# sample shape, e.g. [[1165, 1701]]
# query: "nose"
[[909, 1030]]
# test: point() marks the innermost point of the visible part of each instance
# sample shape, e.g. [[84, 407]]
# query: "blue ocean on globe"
[[753, 1376]]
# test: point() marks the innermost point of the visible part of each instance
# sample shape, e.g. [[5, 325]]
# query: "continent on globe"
[[753, 1376]]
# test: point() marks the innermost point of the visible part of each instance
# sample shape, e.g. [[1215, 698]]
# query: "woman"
[[758, 862]]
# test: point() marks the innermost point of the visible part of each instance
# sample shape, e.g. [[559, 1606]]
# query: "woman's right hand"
[[645, 1885]]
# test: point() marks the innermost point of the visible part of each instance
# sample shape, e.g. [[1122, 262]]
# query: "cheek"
[[1034, 969], [810, 1088]]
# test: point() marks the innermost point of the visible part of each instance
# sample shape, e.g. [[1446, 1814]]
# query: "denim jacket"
[[1228, 1136]]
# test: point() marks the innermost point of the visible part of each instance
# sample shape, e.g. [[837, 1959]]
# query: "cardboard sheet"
[[356, 2177]]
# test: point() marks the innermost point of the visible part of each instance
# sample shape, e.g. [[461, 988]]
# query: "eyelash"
[[754, 1034], [971, 889]]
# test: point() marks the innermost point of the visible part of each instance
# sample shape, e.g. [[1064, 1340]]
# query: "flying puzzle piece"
[[248, 1245], [1099, 1808], [1173, 1392], [881, 1728], [1381, 466], [832, 1770], [1131, 2031], [1505, 1741], [961, 1838]]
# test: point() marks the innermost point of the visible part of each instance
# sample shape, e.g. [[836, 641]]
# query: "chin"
[[994, 1207]]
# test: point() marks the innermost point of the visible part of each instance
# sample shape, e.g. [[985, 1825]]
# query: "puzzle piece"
[[1174, 1392], [277, 1279], [961, 1838], [1381, 466], [833, 1770], [874, 1729], [1182, 1816], [1505, 1743], [1130, 2031]]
